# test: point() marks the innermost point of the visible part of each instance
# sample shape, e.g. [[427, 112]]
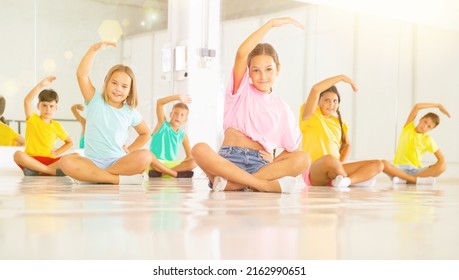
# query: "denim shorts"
[[103, 163], [409, 169], [245, 158]]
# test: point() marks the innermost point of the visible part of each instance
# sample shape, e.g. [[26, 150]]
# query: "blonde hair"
[[131, 100]]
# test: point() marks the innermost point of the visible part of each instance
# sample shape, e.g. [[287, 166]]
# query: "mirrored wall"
[[395, 62]]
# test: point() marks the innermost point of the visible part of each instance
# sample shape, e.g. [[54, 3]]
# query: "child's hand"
[[125, 148], [101, 45], [277, 22], [266, 156], [185, 98], [348, 80], [47, 81], [444, 111]]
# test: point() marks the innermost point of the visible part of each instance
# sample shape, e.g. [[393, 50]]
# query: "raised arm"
[[76, 109], [240, 62], [419, 106], [84, 82], [184, 98], [28, 100], [314, 94]]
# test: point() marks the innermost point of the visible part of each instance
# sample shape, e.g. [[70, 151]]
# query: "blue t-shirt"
[[165, 142], [107, 128]]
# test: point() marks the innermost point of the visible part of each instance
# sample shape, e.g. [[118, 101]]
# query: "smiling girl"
[[109, 116], [255, 122], [325, 139]]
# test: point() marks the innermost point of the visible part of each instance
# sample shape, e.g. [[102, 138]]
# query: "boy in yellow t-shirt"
[[42, 132], [413, 143], [8, 137]]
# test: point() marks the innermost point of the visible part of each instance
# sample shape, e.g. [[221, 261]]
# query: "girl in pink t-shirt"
[[256, 121]]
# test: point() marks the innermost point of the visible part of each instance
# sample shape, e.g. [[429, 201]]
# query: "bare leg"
[[215, 165], [27, 161], [361, 171], [325, 169], [186, 165], [393, 171], [84, 169], [433, 170]]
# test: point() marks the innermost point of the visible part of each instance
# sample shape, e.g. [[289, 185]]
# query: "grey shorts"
[[103, 163], [409, 169]]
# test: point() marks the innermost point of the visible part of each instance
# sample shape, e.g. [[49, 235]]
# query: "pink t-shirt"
[[263, 117]]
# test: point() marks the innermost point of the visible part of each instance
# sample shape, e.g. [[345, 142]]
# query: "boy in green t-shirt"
[[413, 143], [167, 138]]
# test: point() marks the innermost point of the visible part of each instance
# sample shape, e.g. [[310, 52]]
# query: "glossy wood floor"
[[53, 218]]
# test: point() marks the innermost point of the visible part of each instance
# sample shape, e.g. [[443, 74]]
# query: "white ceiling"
[[438, 13]]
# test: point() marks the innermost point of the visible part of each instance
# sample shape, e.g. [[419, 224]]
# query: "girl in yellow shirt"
[[325, 139]]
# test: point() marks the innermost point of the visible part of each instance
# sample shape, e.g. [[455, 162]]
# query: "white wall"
[[394, 63]]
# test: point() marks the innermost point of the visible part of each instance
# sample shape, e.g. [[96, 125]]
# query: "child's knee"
[[199, 149], [378, 165]]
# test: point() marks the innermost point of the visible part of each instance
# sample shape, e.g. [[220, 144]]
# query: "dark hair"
[[334, 90], [2, 105], [48, 95], [180, 105], [263, 49], [434, 117]]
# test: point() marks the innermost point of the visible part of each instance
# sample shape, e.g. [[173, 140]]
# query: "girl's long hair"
[[335, 91]]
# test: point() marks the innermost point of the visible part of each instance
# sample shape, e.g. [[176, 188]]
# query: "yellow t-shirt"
[[7, 135], [41, 137], [321, 135], [412, 146]]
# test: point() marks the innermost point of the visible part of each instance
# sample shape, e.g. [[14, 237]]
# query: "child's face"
[[263, 72], [47, 109], [328, 104], [425, 125], [118, 88], [178, 116]]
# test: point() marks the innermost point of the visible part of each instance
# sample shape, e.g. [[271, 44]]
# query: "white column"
[[195, 37]]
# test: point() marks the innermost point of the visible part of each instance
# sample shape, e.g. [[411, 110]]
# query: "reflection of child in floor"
[[167, 137], [413, 143]]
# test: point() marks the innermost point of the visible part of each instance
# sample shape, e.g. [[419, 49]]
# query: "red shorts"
[[45, 160]]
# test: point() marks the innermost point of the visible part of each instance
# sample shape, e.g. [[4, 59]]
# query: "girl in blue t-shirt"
[[109, 116]]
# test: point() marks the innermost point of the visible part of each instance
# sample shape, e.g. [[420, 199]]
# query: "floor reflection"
[[52, 218]]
